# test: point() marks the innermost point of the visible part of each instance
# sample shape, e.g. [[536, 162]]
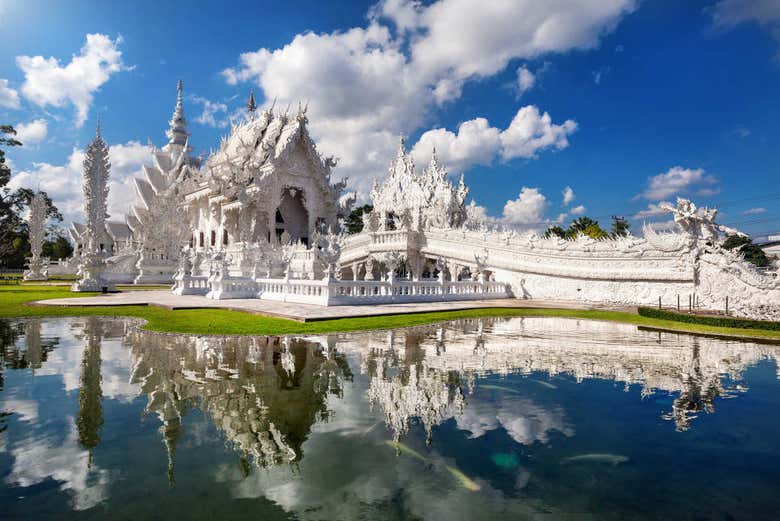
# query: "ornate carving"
[[419, 201], [36, 225], [96, 172]]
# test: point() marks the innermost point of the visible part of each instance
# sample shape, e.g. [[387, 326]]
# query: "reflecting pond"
[[522, 418]]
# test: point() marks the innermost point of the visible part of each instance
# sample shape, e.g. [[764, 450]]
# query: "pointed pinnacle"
[[251, 106]]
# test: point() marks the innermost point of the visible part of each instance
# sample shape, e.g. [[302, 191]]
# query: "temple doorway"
[[292, 216]]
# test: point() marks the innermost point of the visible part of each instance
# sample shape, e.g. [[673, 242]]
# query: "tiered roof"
[[429, 198], [260, 142], [171, 165]]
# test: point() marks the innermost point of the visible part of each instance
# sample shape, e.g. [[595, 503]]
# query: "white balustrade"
[[191, 285], [356, 292]]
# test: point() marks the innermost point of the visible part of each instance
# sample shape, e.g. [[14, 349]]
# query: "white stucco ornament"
[[96, 173], [36, 225]]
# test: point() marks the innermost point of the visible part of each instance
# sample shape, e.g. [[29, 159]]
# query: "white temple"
[[262, 218]]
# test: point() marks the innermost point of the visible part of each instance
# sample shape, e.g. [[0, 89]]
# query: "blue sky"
[[626, 103]]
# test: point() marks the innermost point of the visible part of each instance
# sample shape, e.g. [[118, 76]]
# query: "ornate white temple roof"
[[429, 198], [154, 217], [118, 231], [261, 141]]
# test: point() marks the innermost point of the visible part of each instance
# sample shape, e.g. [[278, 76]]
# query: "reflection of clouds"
[[371, 479], [38, 454], [65, 360], [255, 392], [524, 420], [327, 485], [36, 460], [25, 410], [115, 370], [349, 415]]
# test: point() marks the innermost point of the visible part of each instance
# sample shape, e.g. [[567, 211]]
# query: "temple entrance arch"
[[292, 216]]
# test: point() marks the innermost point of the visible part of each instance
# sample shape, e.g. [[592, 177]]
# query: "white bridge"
[[670, 268]]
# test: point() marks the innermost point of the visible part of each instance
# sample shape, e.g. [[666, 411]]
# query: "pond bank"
[[15, 302]]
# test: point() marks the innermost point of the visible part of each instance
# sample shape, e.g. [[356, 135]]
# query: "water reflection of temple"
[[263, 393], [420, 373]]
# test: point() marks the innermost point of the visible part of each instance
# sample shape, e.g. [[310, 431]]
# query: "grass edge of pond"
[[14, 300]]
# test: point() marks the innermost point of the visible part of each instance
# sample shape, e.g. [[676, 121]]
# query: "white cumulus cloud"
[[211, 112], [729, 13], [47, 82], [525, 80], [478, 143], [33, 132], [467, 38], [367, 84], [568, 195], [63, 182], [531, 131], [578, 210], [527, 210], [677, 181], [9, 98], [652, 210]]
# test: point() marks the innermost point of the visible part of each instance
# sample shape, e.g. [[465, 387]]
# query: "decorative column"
[[37, 227], [96, 171]]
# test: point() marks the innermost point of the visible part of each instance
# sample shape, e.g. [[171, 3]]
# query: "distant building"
[[117, 238], [772, 246]]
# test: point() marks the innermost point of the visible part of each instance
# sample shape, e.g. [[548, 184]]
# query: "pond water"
[[523, 418]]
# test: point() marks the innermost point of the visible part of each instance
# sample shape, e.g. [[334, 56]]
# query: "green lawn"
[[219, 321]]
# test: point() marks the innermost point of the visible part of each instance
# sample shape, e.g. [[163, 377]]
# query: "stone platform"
[[305, 312]]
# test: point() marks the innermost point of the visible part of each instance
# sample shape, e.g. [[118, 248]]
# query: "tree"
[[581, 225], [555, 231], [58, 247], [14, 243], [11, 201], [594, 231], [620, 226], [751, 252], [354, 222], [586, 226]]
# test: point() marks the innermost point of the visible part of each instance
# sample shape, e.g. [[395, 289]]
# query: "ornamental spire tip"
[[251, 106]]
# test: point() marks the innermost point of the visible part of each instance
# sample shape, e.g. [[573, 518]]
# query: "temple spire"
[[251, 106], [302, 109], [177, 132], [97, 169]]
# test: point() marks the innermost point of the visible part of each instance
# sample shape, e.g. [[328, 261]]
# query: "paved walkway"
[[304, 312]]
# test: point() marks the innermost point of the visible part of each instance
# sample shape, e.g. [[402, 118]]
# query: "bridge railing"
[[357, 292], [302, 291]]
